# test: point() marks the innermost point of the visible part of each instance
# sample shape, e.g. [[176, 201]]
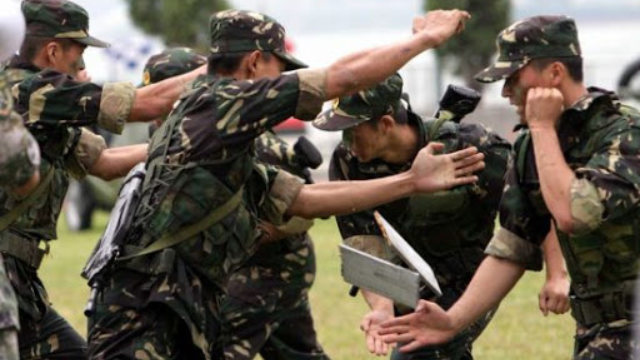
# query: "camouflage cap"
[[238, 31], [531, 38], [60, 19], [349, 111], [171, 62]]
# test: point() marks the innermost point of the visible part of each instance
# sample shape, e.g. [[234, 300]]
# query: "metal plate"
[[406, 252]]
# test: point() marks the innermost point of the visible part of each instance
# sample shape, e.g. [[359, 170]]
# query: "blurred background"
[[319, 32]]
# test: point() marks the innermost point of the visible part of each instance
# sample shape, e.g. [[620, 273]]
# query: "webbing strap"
[[187, 232], [20, 209]]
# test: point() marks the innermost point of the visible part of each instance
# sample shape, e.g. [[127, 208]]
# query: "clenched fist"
[[544, 107], [439, 25]]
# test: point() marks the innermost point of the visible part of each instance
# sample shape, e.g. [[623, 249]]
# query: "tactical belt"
[[22, 248], [604, 309]]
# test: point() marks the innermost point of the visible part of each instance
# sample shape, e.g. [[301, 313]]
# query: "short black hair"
[[228, 63], [400, 116], [572, 63], [32, 45]]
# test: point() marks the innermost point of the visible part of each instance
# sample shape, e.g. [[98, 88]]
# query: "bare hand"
[[269, 233], [441, 172], [370, 325], [83, 76], [428, 325], [544, 107], [440, 25], [554, 296]]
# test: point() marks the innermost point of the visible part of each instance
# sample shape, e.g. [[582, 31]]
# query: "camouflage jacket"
[[199, 158], [54, 108], [19, 152], [448, 229], [204, 153], [599, 140]]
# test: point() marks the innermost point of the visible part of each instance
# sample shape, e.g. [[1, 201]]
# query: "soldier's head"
[[247, 45], [171, 62], [56, 36], [369, 119], [540, 51]]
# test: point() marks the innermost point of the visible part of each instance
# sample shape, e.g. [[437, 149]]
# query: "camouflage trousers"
[[266, 309], [154, 332], [9, 344], [606, 341], [44, 334], [164, 316], [8, 318]]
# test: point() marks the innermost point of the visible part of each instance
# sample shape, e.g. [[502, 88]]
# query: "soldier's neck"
[[572, 92]]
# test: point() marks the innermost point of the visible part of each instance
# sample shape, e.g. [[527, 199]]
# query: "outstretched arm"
[[429, 173], [364, 69], [430, 324], [116, 162], [156, 100]]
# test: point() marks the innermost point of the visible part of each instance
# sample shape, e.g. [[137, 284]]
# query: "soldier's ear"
[[386, 123], [252, 62], [556, 72], [51, 51]]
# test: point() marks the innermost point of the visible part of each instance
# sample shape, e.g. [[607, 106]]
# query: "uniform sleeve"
[[85, 153], [19, 152], [608, 186], [246, 109], [52, 98], [272, 150], [522, 230], [283, 188]]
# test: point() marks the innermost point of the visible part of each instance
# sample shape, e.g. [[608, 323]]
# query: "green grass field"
[[518, 331]]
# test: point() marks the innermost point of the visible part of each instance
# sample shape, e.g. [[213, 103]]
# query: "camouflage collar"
[[579, 111], [589, 114]]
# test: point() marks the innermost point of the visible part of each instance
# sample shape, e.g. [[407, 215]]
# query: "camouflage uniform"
[[54, 108], [600, 140], [267, 307], [202, 156], [448, 229], [19, 160]]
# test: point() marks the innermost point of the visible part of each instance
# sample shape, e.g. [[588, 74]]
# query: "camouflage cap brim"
[[291, 62], [330, 120], [91, 41], [500, 70]]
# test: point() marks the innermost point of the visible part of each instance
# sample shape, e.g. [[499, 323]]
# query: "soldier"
[[55, 107], [381, 137], [576, 166], [19, 161], [278, 323], [205, 202]]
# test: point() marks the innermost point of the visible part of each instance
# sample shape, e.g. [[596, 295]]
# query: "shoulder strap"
[[20, 209], [189, 231], [434, 126]]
